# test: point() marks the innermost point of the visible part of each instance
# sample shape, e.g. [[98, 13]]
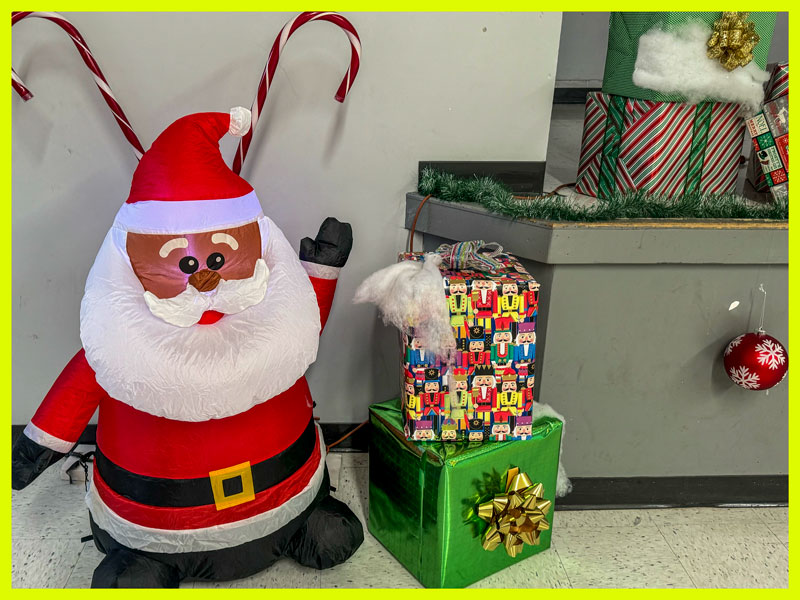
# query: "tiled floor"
[[733, 547], [693, 547]]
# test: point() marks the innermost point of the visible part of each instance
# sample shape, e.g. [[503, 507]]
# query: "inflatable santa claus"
[[198, 323]]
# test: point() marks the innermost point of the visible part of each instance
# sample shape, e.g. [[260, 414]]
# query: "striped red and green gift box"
[[663, 148], [778, 84]]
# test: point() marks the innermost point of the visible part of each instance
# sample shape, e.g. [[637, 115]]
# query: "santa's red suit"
[[133, 441], [209, 463]]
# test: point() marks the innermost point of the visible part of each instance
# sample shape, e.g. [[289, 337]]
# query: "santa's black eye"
[[215, 261], [188, 264]]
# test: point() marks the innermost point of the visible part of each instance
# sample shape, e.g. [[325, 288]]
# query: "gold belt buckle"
[[218, 478]]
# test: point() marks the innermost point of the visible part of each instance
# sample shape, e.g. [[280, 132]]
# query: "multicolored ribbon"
[[468, 255], [91, 63], [517, 517], [272, 64]]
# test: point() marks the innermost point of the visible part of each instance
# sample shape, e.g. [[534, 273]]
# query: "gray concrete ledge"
[[614, 242]]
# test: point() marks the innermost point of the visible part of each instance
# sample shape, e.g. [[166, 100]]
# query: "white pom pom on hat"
[[240, 121]]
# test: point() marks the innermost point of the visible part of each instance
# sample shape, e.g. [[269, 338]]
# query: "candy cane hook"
[[272, 65], [91, 63]]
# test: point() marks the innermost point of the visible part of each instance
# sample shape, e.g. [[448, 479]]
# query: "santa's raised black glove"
[[332, 245], [29, 460]]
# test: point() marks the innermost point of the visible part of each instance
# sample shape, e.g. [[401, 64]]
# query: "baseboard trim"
[[605, 492], [570, 95], [680, 491]]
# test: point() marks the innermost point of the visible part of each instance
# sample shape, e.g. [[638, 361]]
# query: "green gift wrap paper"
[[625, 29], [423, 496]]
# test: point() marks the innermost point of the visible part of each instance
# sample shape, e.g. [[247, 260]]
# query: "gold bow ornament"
[[733, 40], [517, 517]]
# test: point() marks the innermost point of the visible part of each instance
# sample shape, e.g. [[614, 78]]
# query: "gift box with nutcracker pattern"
[[454, 513], [485, 392]]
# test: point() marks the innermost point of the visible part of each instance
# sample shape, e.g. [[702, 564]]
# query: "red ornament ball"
[[756, 361]]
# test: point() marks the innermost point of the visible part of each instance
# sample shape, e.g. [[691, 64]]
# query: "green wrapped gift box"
[[625, 29], [423, 496]]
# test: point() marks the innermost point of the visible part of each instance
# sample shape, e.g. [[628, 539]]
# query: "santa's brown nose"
[[205, 280]]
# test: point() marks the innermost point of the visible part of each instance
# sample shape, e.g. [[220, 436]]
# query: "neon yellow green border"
[[409, 5]]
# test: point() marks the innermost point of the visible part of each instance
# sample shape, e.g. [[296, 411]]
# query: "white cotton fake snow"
[[410, 294], [675, 62]]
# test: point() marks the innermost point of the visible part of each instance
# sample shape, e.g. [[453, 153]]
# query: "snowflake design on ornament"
[[770, 354], [743, 377], [734, 342]]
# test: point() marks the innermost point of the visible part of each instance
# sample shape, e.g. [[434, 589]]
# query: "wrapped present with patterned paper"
[[663, 148], [770, 133], [453, 514], [487, 386], [778, 84], [677, 56], [777, 87]]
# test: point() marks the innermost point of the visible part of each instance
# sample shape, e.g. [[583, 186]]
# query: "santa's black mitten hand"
[[332, 245], [29, 460]]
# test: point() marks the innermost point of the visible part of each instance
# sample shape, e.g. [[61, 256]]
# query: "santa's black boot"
[[329, 537], [122, 568]]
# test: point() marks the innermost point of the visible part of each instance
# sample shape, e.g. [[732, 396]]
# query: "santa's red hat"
[[182, 183]]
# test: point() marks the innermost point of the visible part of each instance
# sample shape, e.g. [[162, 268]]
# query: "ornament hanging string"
[[763, 308], [272, 64], [473, 254], [88, 58]]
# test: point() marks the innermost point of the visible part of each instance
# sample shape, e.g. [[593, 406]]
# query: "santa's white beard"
[[204, 371], [229, 297]]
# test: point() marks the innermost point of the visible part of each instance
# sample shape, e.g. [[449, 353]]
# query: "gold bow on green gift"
[[733, 40], [516, 517]]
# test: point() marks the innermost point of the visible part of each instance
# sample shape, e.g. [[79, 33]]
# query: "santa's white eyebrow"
[[224, 238], [171, 245]]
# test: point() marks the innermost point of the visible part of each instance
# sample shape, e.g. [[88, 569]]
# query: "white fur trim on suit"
[[201, 372], [188, 216], [43, 438], [209, 538], [320, 271]]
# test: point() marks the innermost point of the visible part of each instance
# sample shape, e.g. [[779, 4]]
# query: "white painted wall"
[[466, 86], [584, 38]]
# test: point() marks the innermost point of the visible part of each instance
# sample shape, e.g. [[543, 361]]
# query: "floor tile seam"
[[564, 569], [72, 570], [677, 557]]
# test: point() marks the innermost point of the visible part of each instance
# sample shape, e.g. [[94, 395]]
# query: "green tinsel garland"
[[497, 198]]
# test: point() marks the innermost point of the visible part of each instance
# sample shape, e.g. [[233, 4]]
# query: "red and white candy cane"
[[88, 58], [272, 65]]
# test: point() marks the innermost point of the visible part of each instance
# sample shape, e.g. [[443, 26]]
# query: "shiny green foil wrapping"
[[423, 496]]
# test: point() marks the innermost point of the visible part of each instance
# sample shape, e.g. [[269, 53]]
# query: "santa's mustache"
[[229, 297]]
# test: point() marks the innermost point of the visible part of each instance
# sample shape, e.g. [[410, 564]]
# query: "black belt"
[[225, 487]]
